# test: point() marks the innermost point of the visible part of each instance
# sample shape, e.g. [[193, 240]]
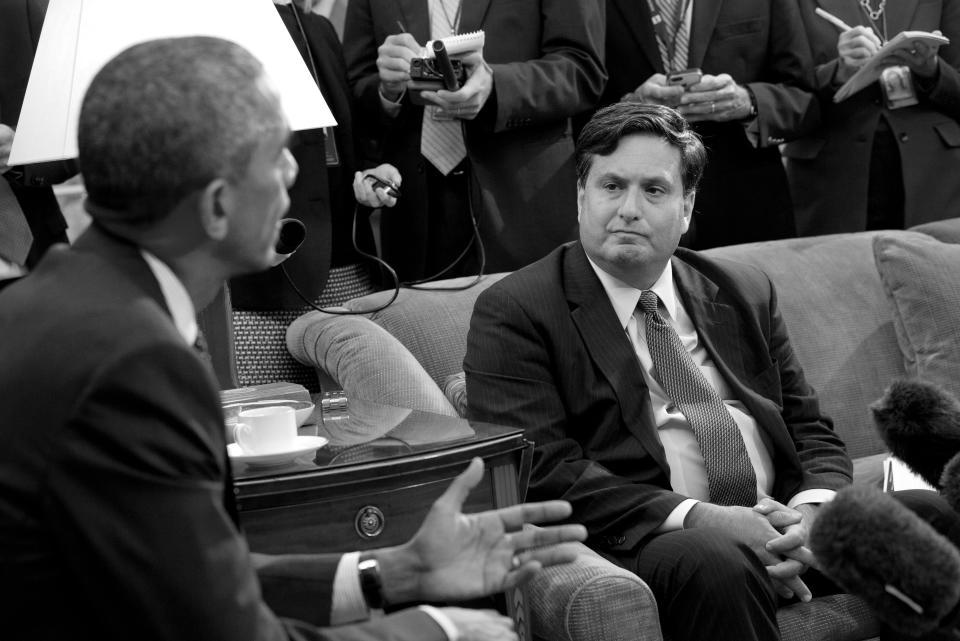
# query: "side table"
[[373, 483]]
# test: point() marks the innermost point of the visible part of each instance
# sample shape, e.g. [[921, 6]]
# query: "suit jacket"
[[743, 195], [116, 505], [546, 57], [829, 169], [321, 197], [20, 24], [546, 352]]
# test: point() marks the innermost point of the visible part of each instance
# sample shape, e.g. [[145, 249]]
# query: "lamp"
[[80, 36]]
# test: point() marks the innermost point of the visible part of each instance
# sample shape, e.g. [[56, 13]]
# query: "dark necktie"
[[730, 474]]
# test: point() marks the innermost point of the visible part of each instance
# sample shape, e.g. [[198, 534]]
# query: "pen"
[[832, 19], [402, 28]]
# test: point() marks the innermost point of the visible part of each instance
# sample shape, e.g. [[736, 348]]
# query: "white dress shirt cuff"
[[443, 621], [348, 602], [675, 519], [390, 107], [811, 496]]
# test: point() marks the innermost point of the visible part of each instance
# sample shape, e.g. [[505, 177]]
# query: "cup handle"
[[241, 430]]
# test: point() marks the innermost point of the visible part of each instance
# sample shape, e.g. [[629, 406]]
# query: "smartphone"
[[685, 78]]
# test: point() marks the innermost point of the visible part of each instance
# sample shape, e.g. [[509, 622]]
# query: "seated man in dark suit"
[[117, 516], [661, 390]]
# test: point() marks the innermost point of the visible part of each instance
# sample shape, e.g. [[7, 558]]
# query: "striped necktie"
[[730, 475], [15, 235], [673, 14], [441, 141]]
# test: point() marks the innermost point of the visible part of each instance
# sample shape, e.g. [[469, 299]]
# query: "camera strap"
[[673, 46]]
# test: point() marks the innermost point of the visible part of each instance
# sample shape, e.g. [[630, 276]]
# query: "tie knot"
[[649, 302]]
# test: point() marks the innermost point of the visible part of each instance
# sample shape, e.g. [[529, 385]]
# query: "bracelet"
[[371, 584]]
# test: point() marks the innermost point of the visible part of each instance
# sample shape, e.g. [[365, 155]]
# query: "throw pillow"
[[921, 276]]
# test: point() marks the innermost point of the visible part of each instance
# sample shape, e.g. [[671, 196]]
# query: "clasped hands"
[[393, 65], [716, 98], [858, 45], [776, 533], [456, 556]]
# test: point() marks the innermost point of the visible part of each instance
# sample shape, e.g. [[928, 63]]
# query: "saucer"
[[303, 445]]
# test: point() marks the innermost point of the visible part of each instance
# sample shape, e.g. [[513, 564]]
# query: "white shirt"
[[688, 475], [348, 603]]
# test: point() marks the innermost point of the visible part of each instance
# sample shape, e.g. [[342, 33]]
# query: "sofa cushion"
[[430, 321], [921, 276], [835, 309], [365, 360]]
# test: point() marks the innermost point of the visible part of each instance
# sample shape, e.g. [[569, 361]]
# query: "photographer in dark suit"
[[117, 513]]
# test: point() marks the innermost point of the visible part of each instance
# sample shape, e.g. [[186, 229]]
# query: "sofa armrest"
[[589, 599], [366, 361]]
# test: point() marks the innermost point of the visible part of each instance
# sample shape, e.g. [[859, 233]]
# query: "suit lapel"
[[473, 13], [701, 29], [415, 17], [718, 325], [611, 350], [636, 13]]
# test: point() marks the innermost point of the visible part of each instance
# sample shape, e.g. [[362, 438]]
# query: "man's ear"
[[688, 200], [214, 207]]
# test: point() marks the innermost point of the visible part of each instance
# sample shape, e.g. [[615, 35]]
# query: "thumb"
[[460, 487]]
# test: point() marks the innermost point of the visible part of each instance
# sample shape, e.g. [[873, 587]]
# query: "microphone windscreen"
[[876, 548], [950, 481], [920, 423]]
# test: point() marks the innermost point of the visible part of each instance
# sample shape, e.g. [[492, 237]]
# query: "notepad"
[[868, 73], [458, 44]]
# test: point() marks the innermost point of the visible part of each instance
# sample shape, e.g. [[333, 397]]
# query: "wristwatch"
[[370, 583]]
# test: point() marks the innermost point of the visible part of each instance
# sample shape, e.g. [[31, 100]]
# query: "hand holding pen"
[[393, 62], [855, 45]]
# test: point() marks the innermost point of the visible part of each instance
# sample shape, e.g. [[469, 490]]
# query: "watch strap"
[[371, 584]]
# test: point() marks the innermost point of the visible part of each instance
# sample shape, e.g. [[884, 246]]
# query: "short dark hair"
[[164, 118], [608, 126]]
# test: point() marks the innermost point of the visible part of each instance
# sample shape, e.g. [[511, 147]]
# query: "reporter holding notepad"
[[881, 157]]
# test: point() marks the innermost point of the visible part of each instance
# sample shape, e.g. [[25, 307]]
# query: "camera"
[[426, 75]]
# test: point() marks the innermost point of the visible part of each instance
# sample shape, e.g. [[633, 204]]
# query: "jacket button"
[[904, 137]]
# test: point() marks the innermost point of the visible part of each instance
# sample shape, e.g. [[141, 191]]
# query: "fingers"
[[460, 487], [534, 537], [795, 586], [515, 516], [778, 514]]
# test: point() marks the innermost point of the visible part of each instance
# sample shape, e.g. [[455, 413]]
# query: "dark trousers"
[[710, 586]]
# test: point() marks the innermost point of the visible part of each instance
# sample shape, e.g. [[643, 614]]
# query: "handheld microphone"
[[920, 423], [446, 69], [878, 549], [292, 234]]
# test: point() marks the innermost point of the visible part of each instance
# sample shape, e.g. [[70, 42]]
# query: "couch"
[[862, 309]]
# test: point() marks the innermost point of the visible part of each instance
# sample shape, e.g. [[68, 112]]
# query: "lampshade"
[[80, 36]]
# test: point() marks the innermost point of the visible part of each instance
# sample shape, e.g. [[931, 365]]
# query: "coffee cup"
[[266, 430]]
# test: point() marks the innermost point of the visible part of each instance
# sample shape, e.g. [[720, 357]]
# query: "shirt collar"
[[624, 298], [176, 296]]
